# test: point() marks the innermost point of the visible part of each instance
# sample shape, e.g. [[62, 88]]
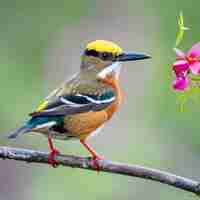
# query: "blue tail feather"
[[32, 123], [21, 130]]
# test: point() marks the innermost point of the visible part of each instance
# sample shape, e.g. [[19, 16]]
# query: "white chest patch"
[[115, 67]]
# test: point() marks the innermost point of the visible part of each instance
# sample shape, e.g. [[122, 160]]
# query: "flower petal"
[[180, 84], [179, 54], [180, 66], [195, 67], [194, 52]]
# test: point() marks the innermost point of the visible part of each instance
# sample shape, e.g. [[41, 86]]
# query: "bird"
[[82, 105]]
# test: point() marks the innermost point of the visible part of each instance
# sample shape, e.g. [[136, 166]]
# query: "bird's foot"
[[52, 154], [95, 162]]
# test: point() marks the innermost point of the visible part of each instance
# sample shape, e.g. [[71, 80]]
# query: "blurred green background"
[[40, 45]]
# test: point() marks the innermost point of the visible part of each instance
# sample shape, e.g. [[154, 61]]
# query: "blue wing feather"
[[78, 103]]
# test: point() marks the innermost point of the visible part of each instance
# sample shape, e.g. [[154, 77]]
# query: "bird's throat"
[[111, 70]]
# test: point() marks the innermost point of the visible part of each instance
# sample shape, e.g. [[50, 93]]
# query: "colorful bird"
[[80, 106]]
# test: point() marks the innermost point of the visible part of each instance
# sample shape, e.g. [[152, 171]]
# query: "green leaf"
[[181, 29]]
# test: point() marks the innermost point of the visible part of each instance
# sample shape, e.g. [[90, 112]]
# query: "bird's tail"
[[19, 131]]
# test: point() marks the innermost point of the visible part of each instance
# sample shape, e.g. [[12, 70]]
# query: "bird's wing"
[[75, 103]]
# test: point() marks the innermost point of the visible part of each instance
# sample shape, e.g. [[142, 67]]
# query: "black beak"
[[131, 56]]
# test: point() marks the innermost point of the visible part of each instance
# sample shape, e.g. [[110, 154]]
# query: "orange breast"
[[113, 82], [80, 125]]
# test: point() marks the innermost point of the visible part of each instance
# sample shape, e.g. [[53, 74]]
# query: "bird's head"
[[104, 58]]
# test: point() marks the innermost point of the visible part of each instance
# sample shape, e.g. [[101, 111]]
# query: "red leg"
[[95, 156], [53, 152]]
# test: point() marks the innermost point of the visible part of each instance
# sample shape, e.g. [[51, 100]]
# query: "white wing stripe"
[[65, 101], [97, 101], [90, 99]]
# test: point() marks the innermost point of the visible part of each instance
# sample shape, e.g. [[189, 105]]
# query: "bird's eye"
[[91, 53], [106, 56]]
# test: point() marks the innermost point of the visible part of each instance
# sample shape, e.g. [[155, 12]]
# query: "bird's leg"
[[95, 156], [53, 152]]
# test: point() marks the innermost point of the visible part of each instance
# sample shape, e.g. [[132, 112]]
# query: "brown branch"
[[105, 165]]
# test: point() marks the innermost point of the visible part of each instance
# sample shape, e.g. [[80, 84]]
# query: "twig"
[[105, 165]]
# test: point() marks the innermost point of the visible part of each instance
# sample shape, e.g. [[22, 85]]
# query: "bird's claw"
[[95, 162], [51, 160]]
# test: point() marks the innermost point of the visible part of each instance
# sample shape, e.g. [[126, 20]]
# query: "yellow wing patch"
[[41, 106], [104, 46]]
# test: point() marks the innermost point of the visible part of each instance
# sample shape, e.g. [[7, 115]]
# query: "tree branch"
[[105, 165]]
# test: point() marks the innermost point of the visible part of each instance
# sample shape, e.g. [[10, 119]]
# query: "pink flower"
[[180, 83], [185, 63]]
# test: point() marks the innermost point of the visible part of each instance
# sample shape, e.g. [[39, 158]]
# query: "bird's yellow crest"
[[104, 46]]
